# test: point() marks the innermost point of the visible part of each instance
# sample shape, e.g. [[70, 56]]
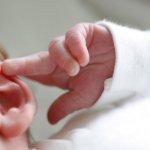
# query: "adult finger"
[[39, 63]]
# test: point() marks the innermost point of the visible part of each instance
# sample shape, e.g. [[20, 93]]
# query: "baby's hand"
[[71, 50], [79, 61]]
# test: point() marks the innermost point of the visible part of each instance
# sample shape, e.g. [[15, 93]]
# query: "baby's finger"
[[37, 64], [76, 43], [64, 105], [62, 57]]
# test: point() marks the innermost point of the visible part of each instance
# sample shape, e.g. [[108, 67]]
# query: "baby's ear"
[[18, 109]]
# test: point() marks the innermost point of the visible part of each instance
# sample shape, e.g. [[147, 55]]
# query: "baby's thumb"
[[65, 105]]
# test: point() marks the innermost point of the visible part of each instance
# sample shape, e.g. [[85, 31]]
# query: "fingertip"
[[74, 69], [53, 116], [69, 65], [8, 67], [84, 61], [52, 121]]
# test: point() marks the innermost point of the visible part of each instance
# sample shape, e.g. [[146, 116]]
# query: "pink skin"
[[79, 61], [17, 109]]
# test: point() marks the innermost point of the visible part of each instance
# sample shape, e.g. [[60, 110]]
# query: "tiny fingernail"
[[74, 71], [83, 64]]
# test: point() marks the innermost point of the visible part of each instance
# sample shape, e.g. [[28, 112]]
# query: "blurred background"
[[27, 26]]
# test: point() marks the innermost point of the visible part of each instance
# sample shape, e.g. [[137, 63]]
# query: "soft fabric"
[[120, 119]]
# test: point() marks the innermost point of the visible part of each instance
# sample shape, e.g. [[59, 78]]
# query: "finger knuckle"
[[72, 39]]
